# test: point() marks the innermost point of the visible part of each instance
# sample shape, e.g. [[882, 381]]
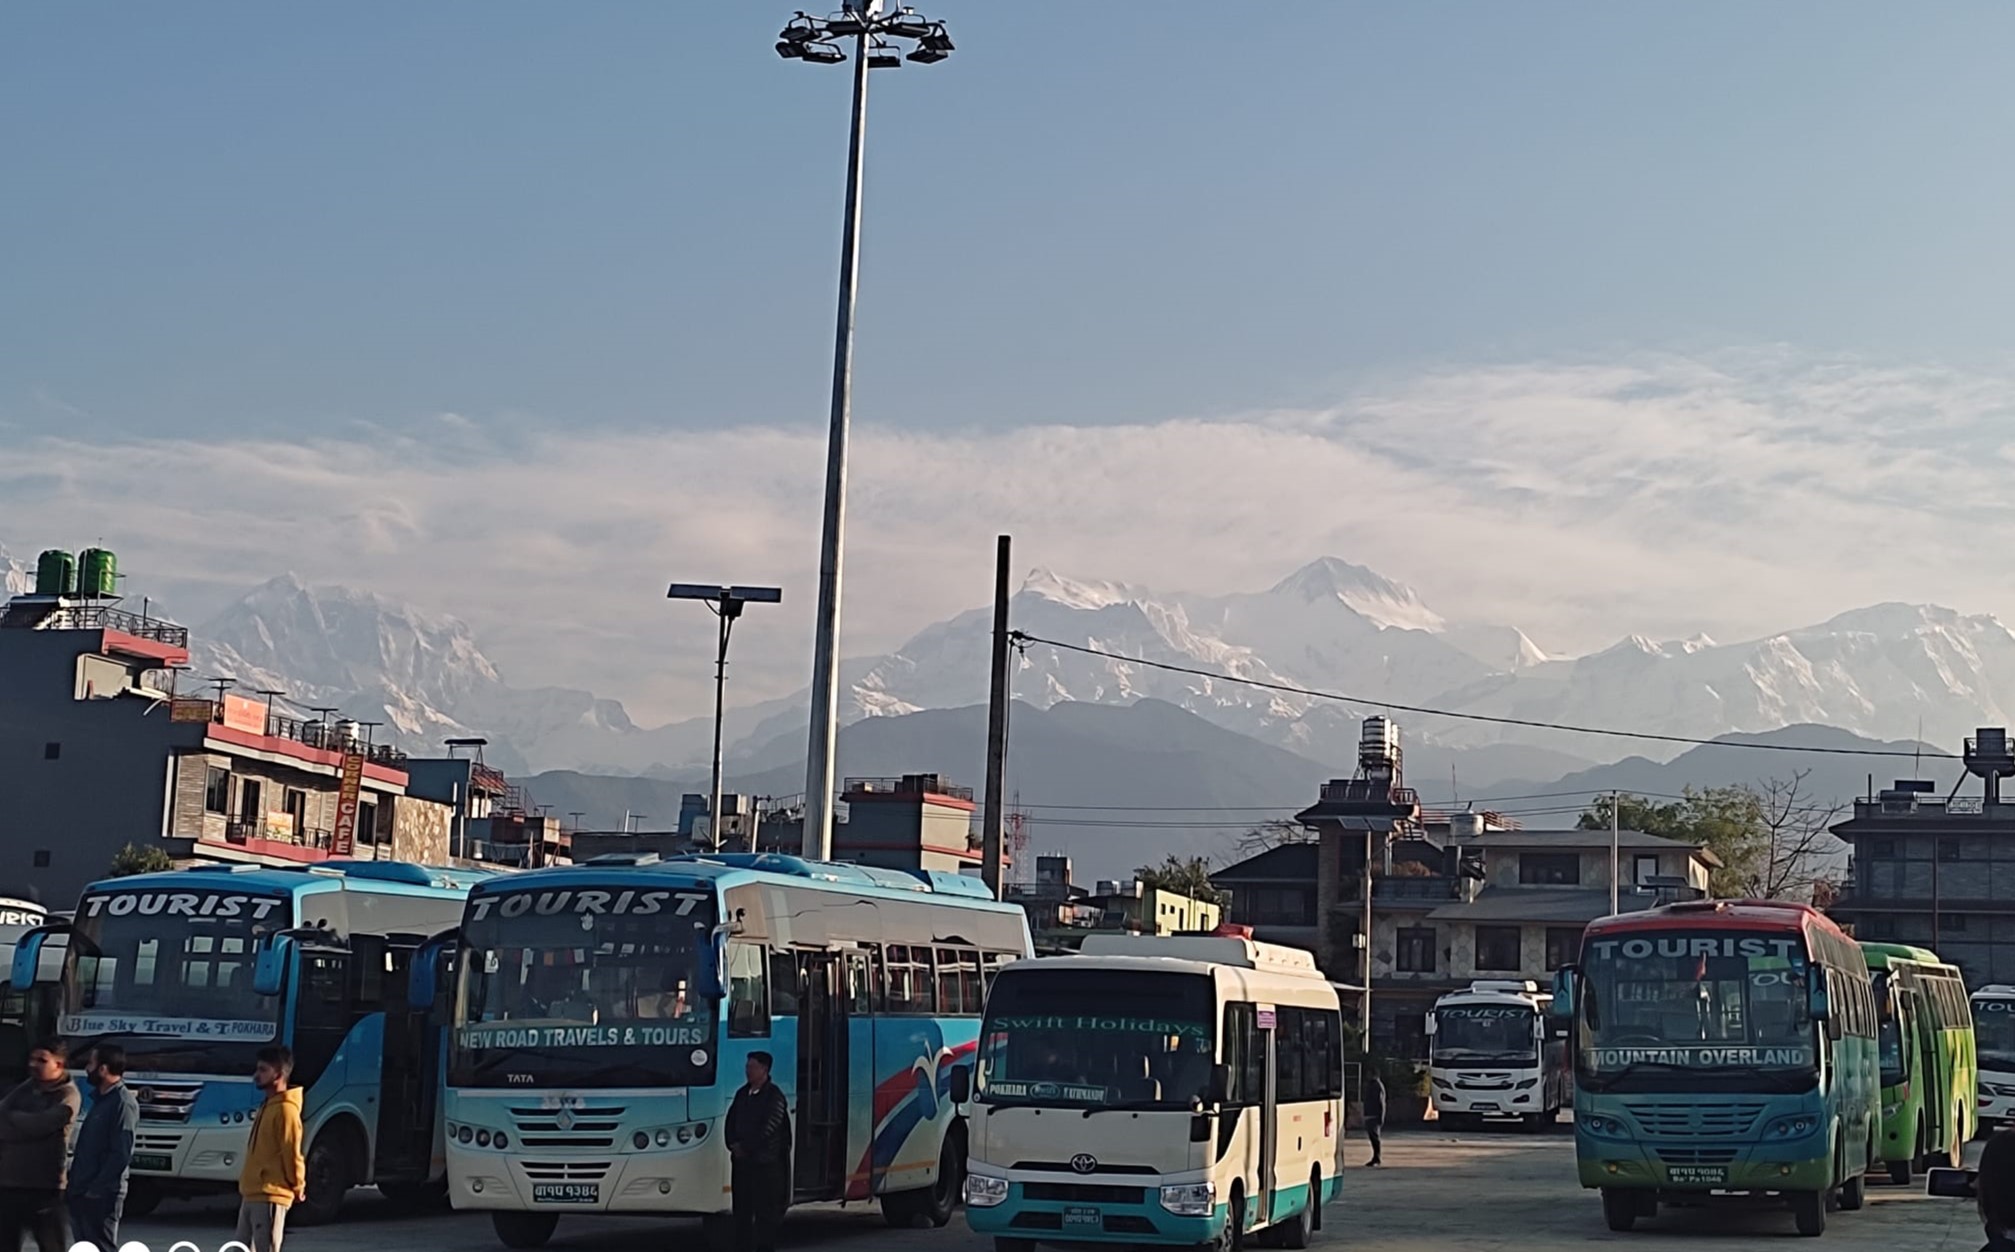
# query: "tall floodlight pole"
[[725, 603], [878, 37]]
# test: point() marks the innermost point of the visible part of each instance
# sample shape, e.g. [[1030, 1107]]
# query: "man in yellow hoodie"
[[274, 1175]]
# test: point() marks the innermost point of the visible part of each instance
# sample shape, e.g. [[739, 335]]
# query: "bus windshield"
[[1890, 1032], [1994, 1030], [1086, 1038], [564, 991], [169, 964], [1486, 1034], [1696, 1010]]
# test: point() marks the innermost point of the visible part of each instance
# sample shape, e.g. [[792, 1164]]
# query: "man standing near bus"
[[759, 1143], [1374, 1112], [35, 1122], [104, 1151], [274, 1176]]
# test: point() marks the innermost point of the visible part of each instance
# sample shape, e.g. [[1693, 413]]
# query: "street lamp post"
[[879, 37], [725, 603]]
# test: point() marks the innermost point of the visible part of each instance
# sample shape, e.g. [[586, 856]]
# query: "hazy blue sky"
[[256, 227]]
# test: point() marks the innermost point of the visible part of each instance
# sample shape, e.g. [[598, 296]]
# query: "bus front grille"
[[1696, 1156], [1695, 1119], [1037, 1221], [166, 1101], [566, 1171], [1081, 1193], [567, 1127]]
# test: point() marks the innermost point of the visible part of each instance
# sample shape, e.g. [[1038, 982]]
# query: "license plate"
[[152, 1160], [1485, 1108], [1697, 1175], [566, 1193], [1082, 1218]]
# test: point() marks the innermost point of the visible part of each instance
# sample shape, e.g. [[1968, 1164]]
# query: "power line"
[[1529, 723]]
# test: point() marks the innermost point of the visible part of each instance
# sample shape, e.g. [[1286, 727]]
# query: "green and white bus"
[[1929, 1068], [1181, 1090]]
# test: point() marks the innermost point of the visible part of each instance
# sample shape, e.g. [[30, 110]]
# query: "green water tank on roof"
[[55, 573], [97, 573]]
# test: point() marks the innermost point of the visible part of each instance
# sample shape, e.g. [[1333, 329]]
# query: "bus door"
[[822, 1075], [1269, 1115], [409, 1081]]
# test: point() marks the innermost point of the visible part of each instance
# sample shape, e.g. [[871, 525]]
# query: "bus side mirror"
[[1220, 1083], [713, 968], [962, 1085], [28, 957], [1818, 1005], [1428, 1025], [269, 970], [423, 981], [1562, 1008]]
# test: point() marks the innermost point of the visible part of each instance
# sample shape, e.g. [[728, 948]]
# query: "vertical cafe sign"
[[348, 797]]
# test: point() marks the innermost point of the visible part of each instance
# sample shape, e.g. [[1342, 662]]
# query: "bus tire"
[[333, 1164], [942, 1199], [1854, 1193], [143, 1196], [524, 1230], [1955, 1152], [1619, 1209], [1901, 1172], [1808, 1212], [1297, 1231]]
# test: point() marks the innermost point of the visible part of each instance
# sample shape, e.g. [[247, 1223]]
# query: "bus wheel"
[[1901, 1172], [1619, 1209], [942, 1199], [1234, 1221], [331, 1172], [1854, 1193], [1296, 1231], [524, 1230], [1955, 1151], [1808, 1210], [143, 1196]]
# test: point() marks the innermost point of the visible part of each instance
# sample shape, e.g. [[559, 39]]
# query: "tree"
[[1269, 835], [141, 858], [1772, 838], [1189, 876]]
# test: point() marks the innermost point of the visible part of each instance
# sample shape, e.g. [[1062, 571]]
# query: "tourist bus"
[[1722, 1047], [1929, 1071], [1491, 1056], [1994, 1034], [1158, 1090], [193, 971], [603, 1014]]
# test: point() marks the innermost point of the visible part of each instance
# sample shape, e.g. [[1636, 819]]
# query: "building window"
[[1952, 923], [52, 751], [1274, 906], [296, 803], [1647, 869], [217, 791], [1948, 849], [1550, 869], [1882, 849], [1415, 953], [1497, 949], [251, 803], [41, 858], [367, 821], [1563, 944]]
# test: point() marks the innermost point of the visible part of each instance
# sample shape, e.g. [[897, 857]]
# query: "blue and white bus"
[[193, 971], [604, 1011]]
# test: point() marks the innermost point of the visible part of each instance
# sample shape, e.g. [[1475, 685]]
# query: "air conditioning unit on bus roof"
[[1507, 986], [1215, 949]]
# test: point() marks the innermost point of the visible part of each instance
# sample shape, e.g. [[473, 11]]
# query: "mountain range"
[[1330, 626]]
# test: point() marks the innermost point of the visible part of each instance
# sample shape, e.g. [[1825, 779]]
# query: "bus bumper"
[[690, 1181], [1038, 1209], [1996, 1103], [198, 1159], [1659, 1167]]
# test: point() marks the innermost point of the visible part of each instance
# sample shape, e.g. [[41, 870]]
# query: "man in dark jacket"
[[35, 1122], [759, 1143], [104, 1151], [1374, 1113]]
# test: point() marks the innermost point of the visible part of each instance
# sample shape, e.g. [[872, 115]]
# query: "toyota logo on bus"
[[1084, 1163]]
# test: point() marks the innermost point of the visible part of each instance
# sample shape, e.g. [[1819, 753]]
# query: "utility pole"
[[993, 824], [1615, 851], [1364, 1001]]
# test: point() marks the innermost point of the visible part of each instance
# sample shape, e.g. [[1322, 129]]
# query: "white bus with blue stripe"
[[193, 971], [1158, 1090], [604, 1012]]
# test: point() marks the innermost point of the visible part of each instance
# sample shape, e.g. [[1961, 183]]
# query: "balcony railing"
[[1437, 889], [239, 830], [907, 785], [106, 617], [332, 737]]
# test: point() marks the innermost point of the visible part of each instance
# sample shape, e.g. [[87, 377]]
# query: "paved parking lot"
[[1436, 1192]]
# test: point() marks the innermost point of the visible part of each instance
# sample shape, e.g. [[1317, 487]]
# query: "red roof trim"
[[118, 642], [298, 750]]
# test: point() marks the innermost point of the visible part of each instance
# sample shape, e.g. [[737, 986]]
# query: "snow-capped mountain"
[[16, 579]]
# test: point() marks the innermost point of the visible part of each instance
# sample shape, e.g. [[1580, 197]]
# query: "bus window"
[[783, 984], [748, 996]]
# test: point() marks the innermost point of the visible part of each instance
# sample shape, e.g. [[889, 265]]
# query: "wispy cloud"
[[1661, 495]]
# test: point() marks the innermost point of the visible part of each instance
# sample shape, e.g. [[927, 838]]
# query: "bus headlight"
[[502, 1141], [1190, 1199], [1796, 1126], [1604, 1127], [640, 1140], [983, 1192], [1526, 1085]]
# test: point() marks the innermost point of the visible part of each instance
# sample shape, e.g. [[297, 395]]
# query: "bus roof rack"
[[1996, 989], [623, 858], [1508, 986]]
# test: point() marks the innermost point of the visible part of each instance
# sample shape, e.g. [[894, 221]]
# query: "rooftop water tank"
[[56, 573], [97, 574]]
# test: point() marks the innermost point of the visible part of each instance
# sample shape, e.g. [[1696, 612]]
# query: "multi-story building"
[[1453, 897], [492, 819], [97, 752], [1933, 867]]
